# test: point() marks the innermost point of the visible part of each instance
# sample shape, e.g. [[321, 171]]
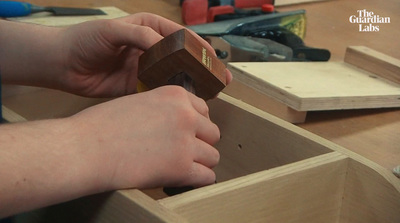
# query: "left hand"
[[102, 56]]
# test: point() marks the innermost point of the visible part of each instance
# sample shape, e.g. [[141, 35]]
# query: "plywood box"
[[270, 171]]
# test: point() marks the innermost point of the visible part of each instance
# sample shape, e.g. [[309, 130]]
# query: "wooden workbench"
[[371, 133]]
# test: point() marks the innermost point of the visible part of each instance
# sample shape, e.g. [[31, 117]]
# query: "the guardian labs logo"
[[367, 21]]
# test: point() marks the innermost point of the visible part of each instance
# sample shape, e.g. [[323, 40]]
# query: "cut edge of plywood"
[[265, 88], [387, 97]]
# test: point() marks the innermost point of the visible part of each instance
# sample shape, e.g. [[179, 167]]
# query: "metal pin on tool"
[[184, 80]]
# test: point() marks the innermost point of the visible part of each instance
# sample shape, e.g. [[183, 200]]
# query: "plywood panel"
[[250, 143], [369, 196], [308, 191], [374, 61], [318, 85], [264, 102]]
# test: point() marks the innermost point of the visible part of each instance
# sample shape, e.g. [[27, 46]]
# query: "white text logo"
[[367, 20]]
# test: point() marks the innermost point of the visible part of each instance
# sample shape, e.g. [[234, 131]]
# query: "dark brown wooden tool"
[[182, 59]]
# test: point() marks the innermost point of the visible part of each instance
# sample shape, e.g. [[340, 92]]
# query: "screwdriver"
[[16, 9]]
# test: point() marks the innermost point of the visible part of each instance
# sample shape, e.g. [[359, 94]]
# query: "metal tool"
[[231, 48], [286, 28], [17, 9]]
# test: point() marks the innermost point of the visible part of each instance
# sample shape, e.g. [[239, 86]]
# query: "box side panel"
[[251, 143], [120, 206], [307, 191], [370, 196]]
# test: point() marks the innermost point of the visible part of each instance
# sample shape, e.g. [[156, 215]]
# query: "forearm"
[[29, 54], [42, 163]]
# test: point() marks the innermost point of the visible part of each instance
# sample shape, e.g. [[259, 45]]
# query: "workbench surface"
[[373, 133]]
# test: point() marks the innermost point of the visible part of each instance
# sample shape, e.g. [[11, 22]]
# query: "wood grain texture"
[[318, 85], [307, 191], [179, 53], [328, 184], [264, 102], [375, 62], [363, 202], [246, 149], [237, 200]]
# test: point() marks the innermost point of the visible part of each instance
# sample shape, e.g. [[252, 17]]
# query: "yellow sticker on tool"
[[140, 87], [296, 24]]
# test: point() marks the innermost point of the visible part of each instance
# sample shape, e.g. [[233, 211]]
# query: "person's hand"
[[95, 58], [161, 137], [101, 57]]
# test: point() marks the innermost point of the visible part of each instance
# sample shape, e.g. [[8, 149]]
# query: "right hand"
[[162, 137]]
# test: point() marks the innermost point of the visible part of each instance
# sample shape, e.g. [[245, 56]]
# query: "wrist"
[[47, 163], [31, 54]]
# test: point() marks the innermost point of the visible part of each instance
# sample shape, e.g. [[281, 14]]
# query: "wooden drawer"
[[270, 171]]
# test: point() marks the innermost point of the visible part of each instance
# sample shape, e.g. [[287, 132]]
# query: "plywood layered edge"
[[366, 79]]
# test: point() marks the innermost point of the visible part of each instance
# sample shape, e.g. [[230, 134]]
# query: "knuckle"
[[188, 116], [204, 107], [217, 158], [174, 92]]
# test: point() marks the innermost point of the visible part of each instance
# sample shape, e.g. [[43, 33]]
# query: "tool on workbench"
[[286, 28], [231, 48], [16, 9], [204, 11], [181, 59]]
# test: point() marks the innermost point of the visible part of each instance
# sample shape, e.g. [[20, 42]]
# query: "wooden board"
[[374, 61], [319, 181], [45, 18], [313, 86], [271, 196]]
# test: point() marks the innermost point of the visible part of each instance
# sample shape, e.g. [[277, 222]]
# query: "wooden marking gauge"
[[181, 59]]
